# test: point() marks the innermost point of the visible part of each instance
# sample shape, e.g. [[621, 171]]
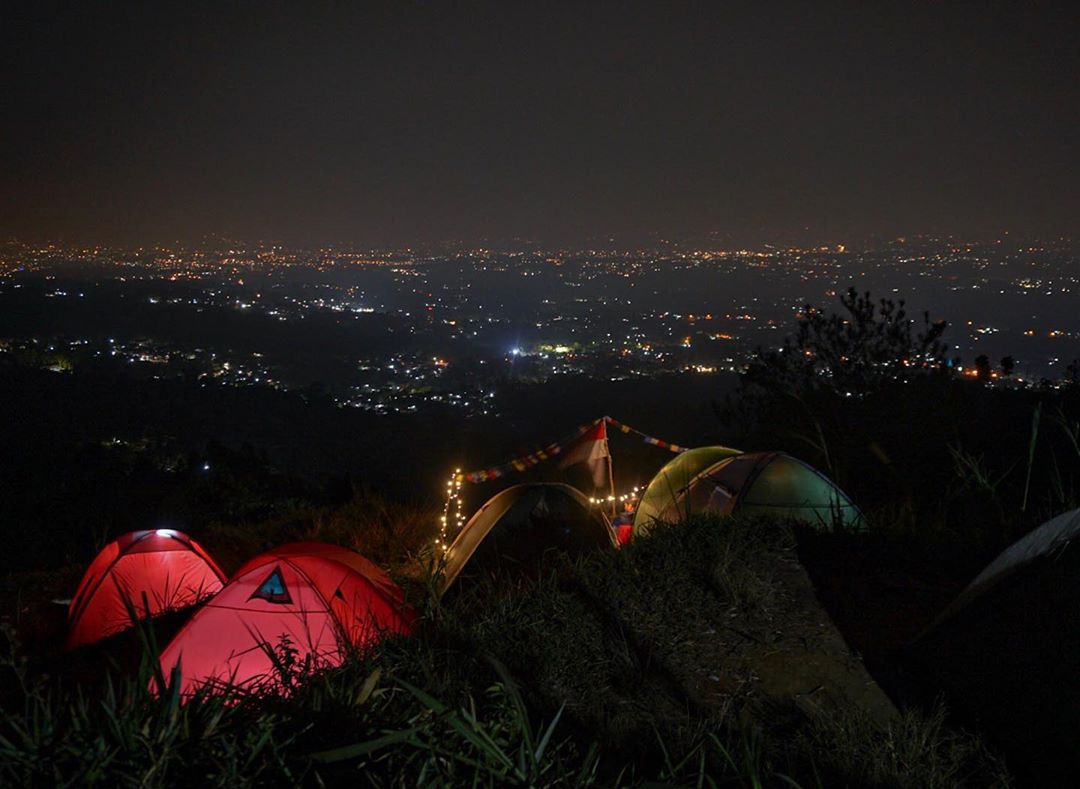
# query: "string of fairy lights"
[[454, 514], [632, 495], [453, 502], [453, 511]]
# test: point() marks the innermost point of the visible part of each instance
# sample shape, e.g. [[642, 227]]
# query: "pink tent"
[[314, 600]]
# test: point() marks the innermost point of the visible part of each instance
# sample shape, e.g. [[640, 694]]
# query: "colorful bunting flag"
[[576, 440]]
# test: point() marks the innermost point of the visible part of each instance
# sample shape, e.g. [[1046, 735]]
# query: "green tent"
[[673, 478], [516, 527], [763, 483]]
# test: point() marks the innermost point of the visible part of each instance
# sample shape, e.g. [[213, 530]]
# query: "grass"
[[917, 750], [621, 668], [386, 532]]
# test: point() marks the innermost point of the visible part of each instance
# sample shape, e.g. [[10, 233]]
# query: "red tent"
[[321, 599], [169, 568]]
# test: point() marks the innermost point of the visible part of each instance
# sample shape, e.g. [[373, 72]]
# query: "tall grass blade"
[[1031, 454]]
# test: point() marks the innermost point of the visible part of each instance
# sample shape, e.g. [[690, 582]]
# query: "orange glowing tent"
[[145, 572], [316, 600]]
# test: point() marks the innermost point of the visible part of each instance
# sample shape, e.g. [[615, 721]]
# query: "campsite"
[[608, 607], [850, 564]]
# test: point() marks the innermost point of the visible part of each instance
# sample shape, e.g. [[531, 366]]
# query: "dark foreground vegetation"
[[620, 668]]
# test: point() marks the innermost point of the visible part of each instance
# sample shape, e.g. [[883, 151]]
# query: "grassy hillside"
[[670, 661]]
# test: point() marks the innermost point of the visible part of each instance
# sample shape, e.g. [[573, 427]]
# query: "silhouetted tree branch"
[[854, 351]]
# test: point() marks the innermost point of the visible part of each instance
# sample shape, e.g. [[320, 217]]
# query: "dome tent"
[[1005, 652], [150, 572], [518, 525], [763, 483], [321, 600], [664, 487]]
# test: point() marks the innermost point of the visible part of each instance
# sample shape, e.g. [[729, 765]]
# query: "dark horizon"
[[134, 125], [647, 244]]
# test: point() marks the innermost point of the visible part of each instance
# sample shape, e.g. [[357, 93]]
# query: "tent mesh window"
[[273, 590]]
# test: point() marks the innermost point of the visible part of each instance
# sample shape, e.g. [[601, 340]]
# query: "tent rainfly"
[[761, 483], [517, 526], [145, 572], [1006, 652], [318, 599], [1052, 538], [674, 477]]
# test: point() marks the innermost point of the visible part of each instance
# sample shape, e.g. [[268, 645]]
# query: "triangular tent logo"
[[273, 590]]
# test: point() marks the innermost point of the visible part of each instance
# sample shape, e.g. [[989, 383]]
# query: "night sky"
[[308, 123]]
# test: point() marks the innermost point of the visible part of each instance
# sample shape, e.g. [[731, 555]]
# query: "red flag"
[[591, 448]]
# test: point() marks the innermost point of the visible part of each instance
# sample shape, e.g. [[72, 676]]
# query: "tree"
[[1073, 372], [1008, 366], [857, 350], [983, 370]]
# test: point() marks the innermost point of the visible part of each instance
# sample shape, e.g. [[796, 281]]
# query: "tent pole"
[[611, 484]]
